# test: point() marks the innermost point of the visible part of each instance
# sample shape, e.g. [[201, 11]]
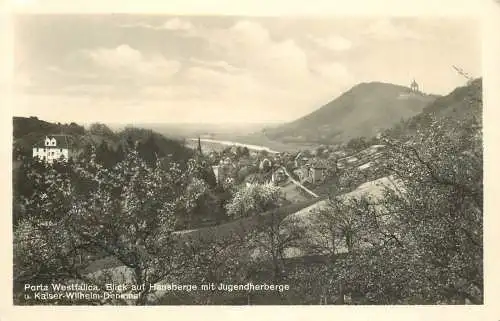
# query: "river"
[[230, 143]]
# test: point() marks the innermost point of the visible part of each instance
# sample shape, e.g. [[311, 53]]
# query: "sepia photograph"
[[247, 160]]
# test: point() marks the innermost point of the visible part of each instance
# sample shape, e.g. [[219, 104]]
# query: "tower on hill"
[[414, 87]]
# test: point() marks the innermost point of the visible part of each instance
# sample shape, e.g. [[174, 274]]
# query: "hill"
[[364, 110], [459, 105], [458, 102]]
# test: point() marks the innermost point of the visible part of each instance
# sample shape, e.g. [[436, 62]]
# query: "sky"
[[225, 69]]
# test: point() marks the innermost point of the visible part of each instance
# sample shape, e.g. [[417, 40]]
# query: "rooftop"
[[62, 141]]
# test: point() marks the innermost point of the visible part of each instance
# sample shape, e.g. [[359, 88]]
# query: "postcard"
[[175, 158]]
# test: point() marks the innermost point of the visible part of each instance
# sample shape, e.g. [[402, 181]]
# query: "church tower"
[[198, 149], [198, 155]]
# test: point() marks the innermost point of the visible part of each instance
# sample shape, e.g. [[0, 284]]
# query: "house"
[[301, 160], [265, 164], [302, 173], [213, 156], [318, 172], [297, 160], [312, 172], [54, 147], [278, 176], [223, 171], [217, 173]]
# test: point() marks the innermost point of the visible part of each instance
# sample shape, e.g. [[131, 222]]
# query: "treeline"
[[97, 138], [23, 126]]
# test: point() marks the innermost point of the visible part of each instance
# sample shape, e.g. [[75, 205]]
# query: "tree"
[[212, 260], [128, 215], [88, 149], [75, 129], [149, 150], [105, 155], [272, 237], [423, 239], [245, 152], [243, 172], [419, 241], [340, 228], [441, 205], [101, 130], [119, 153], [201, 204], [357, 144], [337, 227], [253, 199]]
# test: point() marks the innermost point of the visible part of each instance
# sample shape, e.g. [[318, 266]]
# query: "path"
[[299, 184]]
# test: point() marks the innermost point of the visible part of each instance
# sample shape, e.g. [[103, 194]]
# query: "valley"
[[239, 207]]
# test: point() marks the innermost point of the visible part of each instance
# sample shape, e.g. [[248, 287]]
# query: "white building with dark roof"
[[54, 147]]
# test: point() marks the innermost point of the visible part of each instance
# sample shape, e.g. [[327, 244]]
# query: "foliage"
[[152, 145], [105, 155], [23, 126], [100, 130], [422, 241], [127, 213], [203, 204], [270, 240], [357, 144], [253, 199]]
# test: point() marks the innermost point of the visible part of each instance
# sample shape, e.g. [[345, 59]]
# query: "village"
[[297, 174]]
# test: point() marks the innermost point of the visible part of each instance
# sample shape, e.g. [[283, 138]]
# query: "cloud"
[[215, 64], [171, 24], [57, 71], [248, 45], [334, 43], [254, 70], [89, 89], [229, 68], [386, 29], [125, 59], [119, 72], [241, 71], [177, 24]]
